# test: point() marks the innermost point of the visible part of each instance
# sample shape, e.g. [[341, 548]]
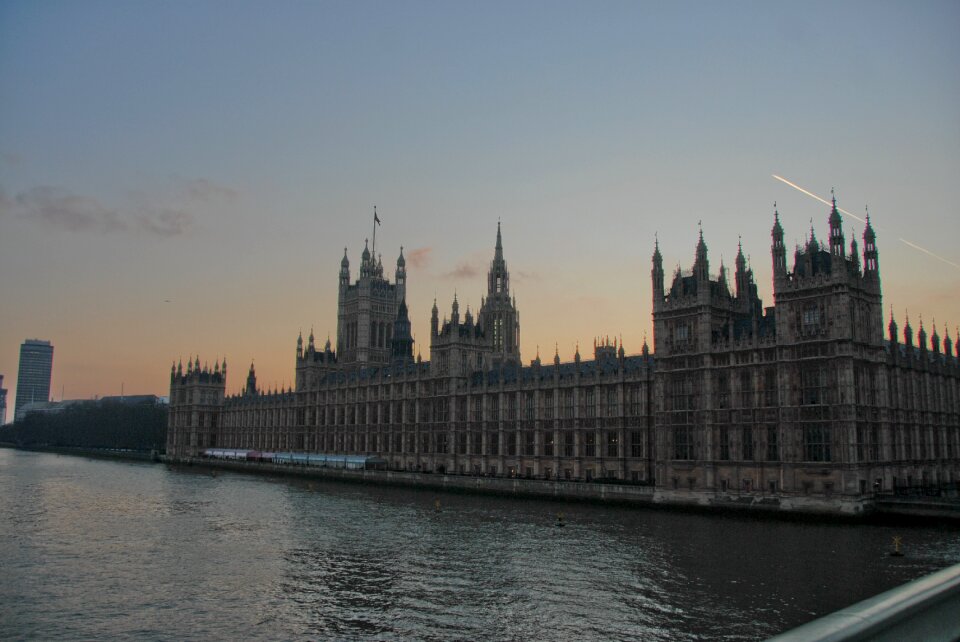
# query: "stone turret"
[[196, 401]]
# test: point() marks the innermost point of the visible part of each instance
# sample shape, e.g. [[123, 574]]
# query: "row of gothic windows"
[[380, 334], [816, 443]]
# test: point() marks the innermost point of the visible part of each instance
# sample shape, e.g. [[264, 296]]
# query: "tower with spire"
[[837, 248], [825, 282], [803, 403], [699, 311], [457, 348], [656, 274], [778, 250], [401, 343], [251, 387], [830, 350], [312, 364], [498, 317], [367, 309], [696, 321]]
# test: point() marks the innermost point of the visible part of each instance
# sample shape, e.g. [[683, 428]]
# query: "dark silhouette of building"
[[33, 377], [3, 402], [803, 404], [367, 309]]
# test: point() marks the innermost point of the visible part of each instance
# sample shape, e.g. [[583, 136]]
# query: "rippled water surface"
[[92, 549]]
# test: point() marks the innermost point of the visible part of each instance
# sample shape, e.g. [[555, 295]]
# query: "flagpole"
[[374, 251]]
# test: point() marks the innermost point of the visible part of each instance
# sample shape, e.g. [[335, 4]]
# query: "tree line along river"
[[96, 549]]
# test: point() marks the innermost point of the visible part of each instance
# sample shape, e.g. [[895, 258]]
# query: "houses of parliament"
[[807, 401]]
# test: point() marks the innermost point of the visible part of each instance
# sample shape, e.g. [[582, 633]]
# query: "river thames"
[[95, 549]]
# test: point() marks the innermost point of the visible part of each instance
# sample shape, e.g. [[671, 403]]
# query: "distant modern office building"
[[3, 402], [33, 379]]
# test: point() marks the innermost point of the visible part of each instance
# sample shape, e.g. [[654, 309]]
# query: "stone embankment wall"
[[626, 494], [100, 453], [618, 493]]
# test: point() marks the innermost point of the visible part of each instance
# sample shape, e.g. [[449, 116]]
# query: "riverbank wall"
[[615, 493], [98, 453], [804, 508], [868, 508]]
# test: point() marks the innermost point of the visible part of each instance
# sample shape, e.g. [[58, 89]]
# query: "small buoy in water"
[[560, 523], [896, 552], [436, 506]]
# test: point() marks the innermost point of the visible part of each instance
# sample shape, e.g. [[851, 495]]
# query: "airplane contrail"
[[926, 251], [843, 211], [812, 195]]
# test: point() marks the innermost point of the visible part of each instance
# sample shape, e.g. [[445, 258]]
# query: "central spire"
[[701, 266], [498, 313], [498, 279]]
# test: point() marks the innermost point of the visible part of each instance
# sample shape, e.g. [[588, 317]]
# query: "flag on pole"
[[376, 219]]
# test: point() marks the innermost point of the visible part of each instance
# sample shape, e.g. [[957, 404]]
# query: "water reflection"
[[337, 592], [96, 549]]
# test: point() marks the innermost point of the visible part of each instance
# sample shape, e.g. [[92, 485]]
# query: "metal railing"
[[924, 609]]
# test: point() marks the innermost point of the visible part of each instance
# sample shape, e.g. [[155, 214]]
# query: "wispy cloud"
[[164, 216], [522, 276], [419, 257], [473, 265], [463, 270], [204, 190], [60, 208], [167, 222]]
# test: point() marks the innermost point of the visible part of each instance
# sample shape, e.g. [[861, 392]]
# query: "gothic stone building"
[[803, 401]]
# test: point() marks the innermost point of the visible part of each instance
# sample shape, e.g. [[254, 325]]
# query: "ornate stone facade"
[[801, 401], [367, 309]]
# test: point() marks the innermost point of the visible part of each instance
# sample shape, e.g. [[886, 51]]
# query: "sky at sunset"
[[182, 177]]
